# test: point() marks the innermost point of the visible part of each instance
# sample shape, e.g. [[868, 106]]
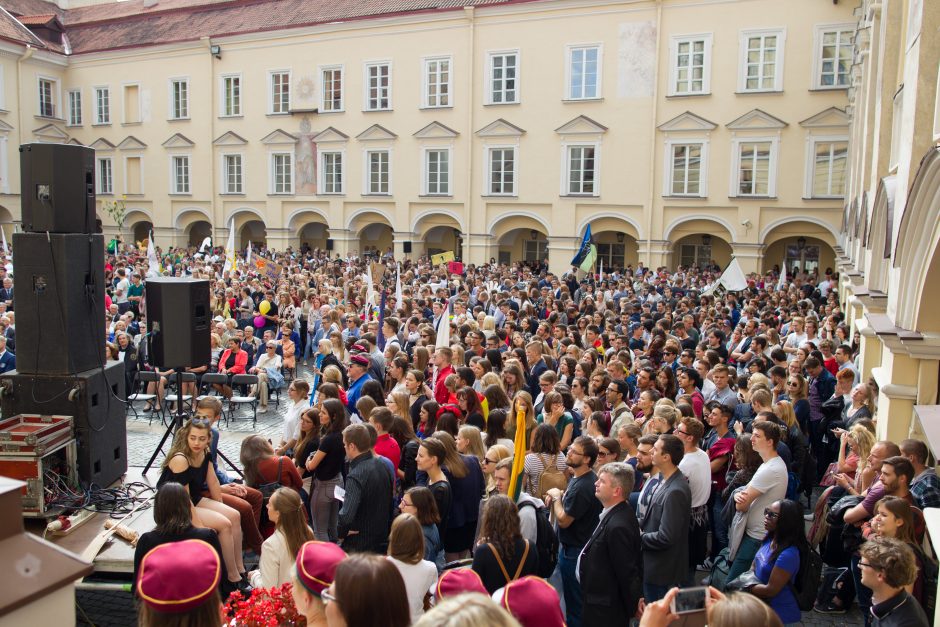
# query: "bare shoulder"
[[178, 463]]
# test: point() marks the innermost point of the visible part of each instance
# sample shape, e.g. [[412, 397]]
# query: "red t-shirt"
[[387, 447]]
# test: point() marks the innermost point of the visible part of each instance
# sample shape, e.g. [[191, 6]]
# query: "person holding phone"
[[721, 610]]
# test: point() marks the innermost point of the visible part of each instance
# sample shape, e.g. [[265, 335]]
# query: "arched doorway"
[[699, 241], [520, 238], [437, 232], [311, 229], [251, 231], [192, 227], [617, 242], [140, 231], [198, 232], [374, 231], [803, 245]]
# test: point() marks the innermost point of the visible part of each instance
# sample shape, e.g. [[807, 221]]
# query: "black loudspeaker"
[[59, 297], [179, 321], [98, 417], [406, 247], [57, 183], [329, 244]]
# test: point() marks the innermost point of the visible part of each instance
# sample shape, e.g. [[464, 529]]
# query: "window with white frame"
[[332, 92], [231, 95], [762, 54], [437, 172], [378, 86], [105, 176], [102, 105], [331, 172], [48, 95], [75, 107], [282, 173], [503, 80], [232, 174], [584, 72], [179, 166], [755, 168], [377, 166], [581, 170], [686, 169], [437, 82], [691, 65], [534, 250], [829, 159], [833, 56], [179, 99], [280, 92], [502, 171]]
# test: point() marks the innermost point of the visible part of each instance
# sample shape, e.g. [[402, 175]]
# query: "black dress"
[[487, 567], [194, 478]]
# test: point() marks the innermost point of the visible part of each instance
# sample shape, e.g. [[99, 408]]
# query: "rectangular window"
[[232, 165], [179, 99], [833, 56], [102, 105], [131, 104], [280, 92], [75, 107], [180, 166], [691, 60], [47, 97], [437, 172], [502, 171], [754, 169], [762, 53], [231, 95], [282, 173], [132, 176], [686, 169], [379, 87], [613, 255], [504, 76], [378, 172], [332, 79], [581, 170], [105, 176], [332, 172], [437, 77], [534, 250], [584, 65], [829, 159]]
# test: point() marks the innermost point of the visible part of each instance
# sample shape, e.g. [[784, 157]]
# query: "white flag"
[[600, 273], [6, 249], [782, 281], [370, 292], [205, 244], [398, 287], [154, 270], [248, 256], [230, 249], [443, 332], [732, 279]]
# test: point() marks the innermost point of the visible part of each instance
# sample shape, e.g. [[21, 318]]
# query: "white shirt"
[[771, 481], [697, 469], [419, 579], [292, 421], [274, 569]]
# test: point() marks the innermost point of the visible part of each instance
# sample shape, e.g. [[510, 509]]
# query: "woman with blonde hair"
[[470, 442], [494, 455], [339, 348], [470, 609], [491, 378], [422, 358], [399, 403], [855, 473], [522, 401], [406, 552], [279, 551]]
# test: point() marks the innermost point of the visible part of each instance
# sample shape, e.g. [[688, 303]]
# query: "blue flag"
[[585, 248]]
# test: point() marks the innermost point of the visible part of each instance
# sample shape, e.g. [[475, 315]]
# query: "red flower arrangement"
[[266, 607]]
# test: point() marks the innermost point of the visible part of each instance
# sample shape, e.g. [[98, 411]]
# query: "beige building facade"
[[889, 249], [682, 132]]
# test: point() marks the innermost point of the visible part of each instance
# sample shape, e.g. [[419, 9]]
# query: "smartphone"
[[689, 600]]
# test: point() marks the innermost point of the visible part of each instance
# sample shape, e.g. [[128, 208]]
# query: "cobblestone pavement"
[[143, 438]]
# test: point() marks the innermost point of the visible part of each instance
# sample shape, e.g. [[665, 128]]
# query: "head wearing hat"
[[533, 602], [359, 347], [458, 581], [316, 565], [359, 360], [179, 576]]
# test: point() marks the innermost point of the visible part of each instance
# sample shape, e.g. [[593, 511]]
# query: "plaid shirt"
[[926, 489]]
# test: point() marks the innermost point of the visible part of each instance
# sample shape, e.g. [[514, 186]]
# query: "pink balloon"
[[259, 322]]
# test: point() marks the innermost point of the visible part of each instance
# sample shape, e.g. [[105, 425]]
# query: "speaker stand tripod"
[[176, 421]]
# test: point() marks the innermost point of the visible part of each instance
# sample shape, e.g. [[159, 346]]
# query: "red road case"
[[34, 434], [32, 445]]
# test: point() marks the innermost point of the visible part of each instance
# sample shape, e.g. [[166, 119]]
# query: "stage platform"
[[115, 560]]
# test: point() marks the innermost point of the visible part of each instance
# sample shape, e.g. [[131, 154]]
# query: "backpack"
[[551, 478], [808, 578], [546, 542]]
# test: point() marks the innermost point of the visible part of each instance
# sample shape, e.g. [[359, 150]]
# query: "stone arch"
[[243, 215], [373, 228], [919, 259], [436, 217], [189, 215], [766, 231], [139, 222], [617, 237], [517, 220], [880, 235], [513, 232], [298, 218], [605, 221], [310, 226], [780, 240], [359, 219], [698, 219]]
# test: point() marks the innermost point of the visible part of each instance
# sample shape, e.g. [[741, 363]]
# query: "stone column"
[[343, 241], [897, 378], [279, 239], [749, 256], [478, 248], [655, 253], [398, 242], [561, 250]]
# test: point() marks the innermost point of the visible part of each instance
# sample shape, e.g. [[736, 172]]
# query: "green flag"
[[589, 259]]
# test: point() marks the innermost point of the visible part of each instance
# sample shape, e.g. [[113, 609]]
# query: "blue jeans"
[[567, 564], [861, 591], [719, 528], [744, 557], [652, 592]]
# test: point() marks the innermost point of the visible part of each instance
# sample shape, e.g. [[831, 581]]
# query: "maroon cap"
[[458, 581], [359, 347], [179, 576], [533, 602], [359, 360], [316, 565]]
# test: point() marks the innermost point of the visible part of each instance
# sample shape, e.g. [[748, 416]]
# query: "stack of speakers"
[[58, 293]]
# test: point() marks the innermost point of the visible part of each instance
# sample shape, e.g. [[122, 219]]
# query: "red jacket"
[[241, 360], [441, 393]]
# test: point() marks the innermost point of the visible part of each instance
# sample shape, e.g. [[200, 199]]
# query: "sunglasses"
[[487, 461], [201, 421]]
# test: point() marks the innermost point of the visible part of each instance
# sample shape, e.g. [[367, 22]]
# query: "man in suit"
[[665, 525], [533, 354], [609, 565], [7, 359]]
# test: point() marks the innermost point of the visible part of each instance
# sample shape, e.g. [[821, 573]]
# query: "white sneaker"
[[809, 517], [263, 409]]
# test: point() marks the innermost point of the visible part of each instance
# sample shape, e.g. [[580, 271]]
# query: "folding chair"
[[178, 396], [249, 380], [141, 379]]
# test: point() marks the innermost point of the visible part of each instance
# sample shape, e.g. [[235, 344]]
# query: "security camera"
[[746, 224]]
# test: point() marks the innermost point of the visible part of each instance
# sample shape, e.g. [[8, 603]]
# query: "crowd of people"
[[669, 433]]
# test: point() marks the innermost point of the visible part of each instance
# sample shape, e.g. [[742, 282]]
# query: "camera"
[[689, 600]]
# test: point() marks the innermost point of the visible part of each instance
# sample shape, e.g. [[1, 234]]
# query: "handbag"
[[268, 489], [829, 478], [743, 582]]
